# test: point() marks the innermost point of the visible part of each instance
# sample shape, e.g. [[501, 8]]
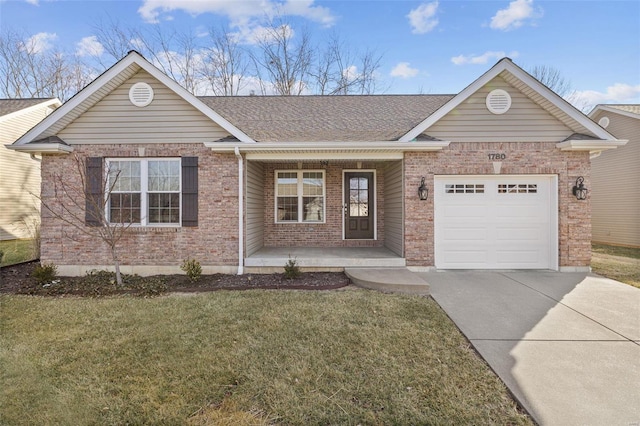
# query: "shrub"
[[192, 268], [1, 255], [45, 273], [291, 269]]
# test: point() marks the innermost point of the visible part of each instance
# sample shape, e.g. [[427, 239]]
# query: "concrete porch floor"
[[324, 258]]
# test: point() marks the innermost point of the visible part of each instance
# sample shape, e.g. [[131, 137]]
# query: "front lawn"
[[244, 357], [618, 263]]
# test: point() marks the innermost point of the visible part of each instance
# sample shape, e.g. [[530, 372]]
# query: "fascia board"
[[590, 145], [328, 146], [42, 148], [606, 108], [48, 103]]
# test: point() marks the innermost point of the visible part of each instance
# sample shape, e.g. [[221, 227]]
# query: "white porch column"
[[240, 211]]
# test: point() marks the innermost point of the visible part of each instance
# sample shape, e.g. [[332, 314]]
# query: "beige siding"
[[168, 119], [615, 176], [525, 121], [254, 208], [19, 179], [393, 208]]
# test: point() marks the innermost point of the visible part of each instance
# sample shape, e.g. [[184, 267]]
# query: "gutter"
[[240, 211]]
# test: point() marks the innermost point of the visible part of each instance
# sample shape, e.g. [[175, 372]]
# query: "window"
[[464, 188], [518, 188], [144, 191], [299, 196]]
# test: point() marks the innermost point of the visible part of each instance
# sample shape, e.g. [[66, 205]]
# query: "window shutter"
[[189, 191], [93, 192]]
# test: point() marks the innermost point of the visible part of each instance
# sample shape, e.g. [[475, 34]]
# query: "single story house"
[[615, 207], [19, 173], [483, 179]]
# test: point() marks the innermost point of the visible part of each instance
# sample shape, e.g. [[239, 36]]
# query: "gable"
[[169, 118], [18, 122], [525, 121]]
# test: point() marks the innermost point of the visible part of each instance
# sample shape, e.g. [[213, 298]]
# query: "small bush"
[[1, 255], [45, 273], [192, 268], [291, 269]]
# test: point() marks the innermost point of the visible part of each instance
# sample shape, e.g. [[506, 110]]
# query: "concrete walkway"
[[567, 345]]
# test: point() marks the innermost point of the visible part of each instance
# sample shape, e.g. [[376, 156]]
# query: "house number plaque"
[[497, 156]]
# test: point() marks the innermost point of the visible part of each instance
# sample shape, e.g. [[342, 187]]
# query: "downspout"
[[240, 212]]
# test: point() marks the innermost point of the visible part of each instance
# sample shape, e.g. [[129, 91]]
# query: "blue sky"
[[427, 47]]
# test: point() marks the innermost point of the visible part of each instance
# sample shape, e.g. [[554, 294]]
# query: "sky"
[[436, 47]]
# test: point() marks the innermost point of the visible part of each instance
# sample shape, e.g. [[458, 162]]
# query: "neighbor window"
[[300, 196], [144, 191]]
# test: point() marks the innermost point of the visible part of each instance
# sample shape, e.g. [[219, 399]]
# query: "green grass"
[[16, 251], [251, 357], [618, 263]]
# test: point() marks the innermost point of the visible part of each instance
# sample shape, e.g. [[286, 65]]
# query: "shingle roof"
[[7, 106], [326, 118]]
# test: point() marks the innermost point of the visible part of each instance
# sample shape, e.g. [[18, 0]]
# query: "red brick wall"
[[328, 234], [521, 158], [213, 242]]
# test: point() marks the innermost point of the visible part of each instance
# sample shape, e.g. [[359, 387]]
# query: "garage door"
[[496, 222]]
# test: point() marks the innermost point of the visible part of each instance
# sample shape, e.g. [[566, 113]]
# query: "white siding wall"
[[168, 118], [255, 207], [525, 121], [19, 178], [615, 176], [393, 208]]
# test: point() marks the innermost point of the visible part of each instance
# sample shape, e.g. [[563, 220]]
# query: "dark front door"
[[359, 205]]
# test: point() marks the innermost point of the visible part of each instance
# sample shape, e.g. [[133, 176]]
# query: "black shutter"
[[189, 191], [93, 192]]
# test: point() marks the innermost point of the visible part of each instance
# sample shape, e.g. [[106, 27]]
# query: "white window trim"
[[144, 191], [300, 195]]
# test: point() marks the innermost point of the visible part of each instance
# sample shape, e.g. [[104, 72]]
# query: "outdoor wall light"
[[423, 191], [579, 190]]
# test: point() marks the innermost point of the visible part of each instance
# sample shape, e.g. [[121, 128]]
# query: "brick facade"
[[214, 242], [521, 158]]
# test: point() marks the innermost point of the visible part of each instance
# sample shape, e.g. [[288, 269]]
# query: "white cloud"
[[238, 11], [403, 70], [33, 2], [618, 93], [40, 42], [515, 15], [253, 33], [482, 59], [422, 18], [89, 46]]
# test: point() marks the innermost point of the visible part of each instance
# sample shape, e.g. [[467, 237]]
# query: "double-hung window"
[[300, 196], [144, 191]]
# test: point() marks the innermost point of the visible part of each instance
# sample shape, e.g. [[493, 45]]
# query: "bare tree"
[[341, 72], [285, 62], [224, 64], [554, 80], [83, 205]]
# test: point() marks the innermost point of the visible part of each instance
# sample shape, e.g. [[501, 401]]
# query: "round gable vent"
[[141, 94], [498, 101], [604, 122]]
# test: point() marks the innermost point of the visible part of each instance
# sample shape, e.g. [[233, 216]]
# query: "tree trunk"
[[116, 263]]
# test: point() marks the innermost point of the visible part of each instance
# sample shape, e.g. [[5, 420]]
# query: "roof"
[[8, 106], [326, 118], [632, 108]]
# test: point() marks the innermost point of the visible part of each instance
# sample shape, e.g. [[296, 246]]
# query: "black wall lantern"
[[423, 191], [579, 190]]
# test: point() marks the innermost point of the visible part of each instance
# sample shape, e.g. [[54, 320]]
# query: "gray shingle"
[[7, 106], [326, 118]]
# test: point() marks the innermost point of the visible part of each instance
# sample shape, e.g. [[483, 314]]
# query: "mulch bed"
[[18, 279]]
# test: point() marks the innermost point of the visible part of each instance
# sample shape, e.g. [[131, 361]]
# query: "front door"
[[359, 206]]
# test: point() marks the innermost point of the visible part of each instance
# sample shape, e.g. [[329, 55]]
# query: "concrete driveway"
[[567, 345]]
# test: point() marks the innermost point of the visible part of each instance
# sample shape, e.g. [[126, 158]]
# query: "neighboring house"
[[231, 180], [615, 177], [20, 173]]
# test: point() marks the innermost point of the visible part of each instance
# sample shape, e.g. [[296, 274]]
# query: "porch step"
[[318, 258], [388, 280]]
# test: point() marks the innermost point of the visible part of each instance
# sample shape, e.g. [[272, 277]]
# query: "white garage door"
[[496, 222]]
